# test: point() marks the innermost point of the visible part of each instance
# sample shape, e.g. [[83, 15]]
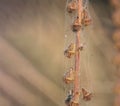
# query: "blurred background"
[[31, 53]]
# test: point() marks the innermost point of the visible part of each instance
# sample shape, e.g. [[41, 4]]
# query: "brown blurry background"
[[31, 53]]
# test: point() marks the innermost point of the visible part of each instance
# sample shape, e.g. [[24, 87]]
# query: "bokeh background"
[[31, 53]]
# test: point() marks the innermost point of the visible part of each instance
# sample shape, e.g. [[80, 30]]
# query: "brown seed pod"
[[74, 104], [86, 95], [84, 14], [75, 99], [115, 3], [116, 18], [72, 6], [70, 51], [116, 35], [69, 76], [86, 20], [76, 25]]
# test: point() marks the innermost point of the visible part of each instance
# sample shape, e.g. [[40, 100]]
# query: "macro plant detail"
[[79, 18]]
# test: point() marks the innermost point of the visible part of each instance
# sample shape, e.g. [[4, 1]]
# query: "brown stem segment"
[[77, 55], [77, 61]]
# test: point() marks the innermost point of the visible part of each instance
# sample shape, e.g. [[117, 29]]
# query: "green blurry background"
[[31, 53]]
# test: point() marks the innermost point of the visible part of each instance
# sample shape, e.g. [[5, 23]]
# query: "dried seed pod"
[[115, 3], [76, 25], [74, 104], [86, 95], [116, 18], [72, 6], [70, 51], [86, 20], [69, 76], [116, 35], [75, 99]]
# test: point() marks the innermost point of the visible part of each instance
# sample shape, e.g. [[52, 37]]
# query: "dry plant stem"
[[77, 55], [77, 62]]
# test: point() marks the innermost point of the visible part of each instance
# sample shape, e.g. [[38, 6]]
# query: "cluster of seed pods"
[[116, 37], [73, 51]]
